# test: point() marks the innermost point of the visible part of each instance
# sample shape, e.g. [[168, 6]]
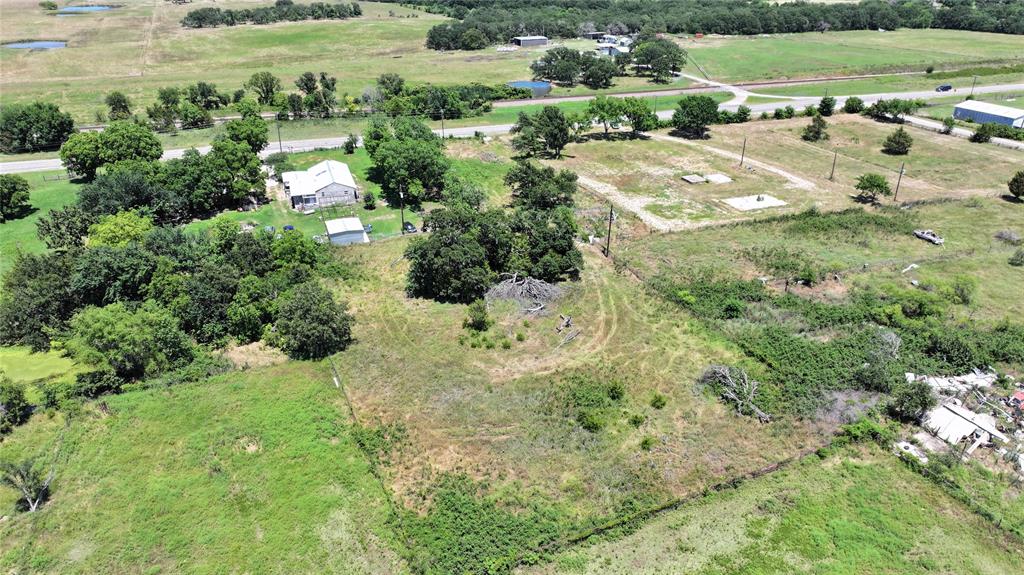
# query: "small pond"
[[538, 88], [37, 45], [84, 9]]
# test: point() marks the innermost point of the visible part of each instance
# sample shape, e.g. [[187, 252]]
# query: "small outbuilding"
[[525, 41], [327, 183], [989, 113], [345, 231]]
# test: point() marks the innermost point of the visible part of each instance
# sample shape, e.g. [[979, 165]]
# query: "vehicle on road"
[[408, 228], [944, 88]]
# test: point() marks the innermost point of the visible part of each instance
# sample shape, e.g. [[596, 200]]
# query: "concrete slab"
[[757, 202], [718, 178], [694, 179]]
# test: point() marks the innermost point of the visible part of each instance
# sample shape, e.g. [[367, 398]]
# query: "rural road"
[[467, 132]]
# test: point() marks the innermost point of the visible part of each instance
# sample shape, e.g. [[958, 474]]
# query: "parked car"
[[944, 88], [408, 228], [289, 228], [930, 236]]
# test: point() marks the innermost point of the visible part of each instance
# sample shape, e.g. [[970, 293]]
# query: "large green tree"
[[1016, 185], [121, 141], [81, 154], [13, 197], [606, 111], [133, 344], [310, 324], [659, 58], [36, 297], [251, 131], [641, 118], [410, 171], [694, 114], [266, 85], [33, 127]]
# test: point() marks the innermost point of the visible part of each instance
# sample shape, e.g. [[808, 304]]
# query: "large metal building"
[[530, 40], [988, 113]]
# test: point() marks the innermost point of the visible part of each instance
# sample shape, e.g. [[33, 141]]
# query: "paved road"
[[798, 102]]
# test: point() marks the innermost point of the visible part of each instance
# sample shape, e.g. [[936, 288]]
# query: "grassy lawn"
[[45, 194], [886, 84], [937, 165], [855, 512], [36, 370], [780, 56], [492, 411], [154, 51], [255, 470], [868, 257], [943, 108]]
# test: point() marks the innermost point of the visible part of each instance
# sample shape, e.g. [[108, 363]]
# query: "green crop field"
[[782, 56], [257, 470], [855, 512]]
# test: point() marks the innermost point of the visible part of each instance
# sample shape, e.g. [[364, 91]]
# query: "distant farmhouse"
[[530, 41], [612, 45], [986, 113], [328, 183]]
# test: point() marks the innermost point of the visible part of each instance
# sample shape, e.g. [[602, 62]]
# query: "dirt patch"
[[256, 354]]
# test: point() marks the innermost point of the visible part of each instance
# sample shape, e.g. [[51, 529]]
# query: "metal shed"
[[988, 113], [345, 231], [530, 40]]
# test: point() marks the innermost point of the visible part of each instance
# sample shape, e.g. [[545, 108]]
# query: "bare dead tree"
[[734, 386], [27, 479]]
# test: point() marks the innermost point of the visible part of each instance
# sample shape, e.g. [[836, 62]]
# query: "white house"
[[325, 184], [606, 49], [345, 231]]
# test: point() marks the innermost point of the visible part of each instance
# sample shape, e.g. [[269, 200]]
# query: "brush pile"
[[532, 294]]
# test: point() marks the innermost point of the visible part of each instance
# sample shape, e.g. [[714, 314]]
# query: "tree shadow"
[[1010, 198], [865, 199], [22, 212]]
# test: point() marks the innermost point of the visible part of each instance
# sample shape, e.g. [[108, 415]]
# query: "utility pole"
[[898, 180], [972, 86], [743, 154], [442, 123], [655, 104], [608, 238], [834, 158], [280, 146], [401, 203]]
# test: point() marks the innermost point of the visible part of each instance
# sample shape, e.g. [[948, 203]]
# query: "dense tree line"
[[394, 97], [139, 307], [34, 127], [281, 11], [168, 192], [498, 21], [469, 248]]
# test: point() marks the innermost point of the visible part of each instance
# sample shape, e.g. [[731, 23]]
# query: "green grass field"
[[255, 470], [46, 193], [782, 56], [867, 258], [153, 50], [855, 512]]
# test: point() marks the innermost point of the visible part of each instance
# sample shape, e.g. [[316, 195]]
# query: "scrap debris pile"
[[973, 412]]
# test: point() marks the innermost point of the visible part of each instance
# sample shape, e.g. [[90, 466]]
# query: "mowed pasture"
[[493, 408], [864, 257], [937, 166], [47, 191], [644, 175], [788, 56], [859, 511], [141, 47], [257, 470]]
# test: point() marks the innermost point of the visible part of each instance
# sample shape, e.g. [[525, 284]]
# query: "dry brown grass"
[[493, 413]]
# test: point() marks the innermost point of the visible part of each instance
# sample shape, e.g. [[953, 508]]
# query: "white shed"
[[327, 183], [345, 231]]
